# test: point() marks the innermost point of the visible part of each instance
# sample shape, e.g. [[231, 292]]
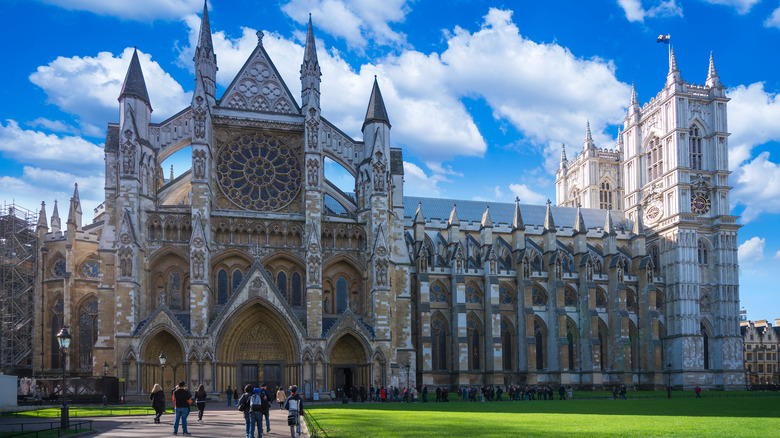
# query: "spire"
[[564, 161], [310, 51], [418, 216], [76, 205], [486, 220], [205, 59], [72, 213], [609, 226], [134, 85], [549, 223], [619, 144], [579, 222], [713, 80], [42, 217], [634, 100], [588, 144], [674, 76], [639, 226], [376, 107], [56, 225], [454, 216], [204, 39], [517, 221], [310, 71]]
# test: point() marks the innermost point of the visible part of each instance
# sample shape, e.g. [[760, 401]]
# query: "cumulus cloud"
[[753, 116], [355, 21], [141, 10], [636, 11], [752, 251], [774, 19], [758, 187], [59, 152], [87, 87], [741, 6], [526, 195], [417, 183], [777, 255], [53, 125]]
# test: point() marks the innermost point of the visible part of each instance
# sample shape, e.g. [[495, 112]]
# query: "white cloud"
[[417, 183], [355, 21], [752, 251], [635, 11], [758, 187], [774, 19], [88, 87], [61, 152], [753, 116], [526, 195], [142, 10], [53, 125], [777, 255], [741, 6]]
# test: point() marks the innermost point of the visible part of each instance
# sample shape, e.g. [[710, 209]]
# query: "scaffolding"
[[18, 261]]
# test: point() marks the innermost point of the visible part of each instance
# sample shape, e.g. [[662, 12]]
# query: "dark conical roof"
[[310, 51], [134, 85], [376, 107]]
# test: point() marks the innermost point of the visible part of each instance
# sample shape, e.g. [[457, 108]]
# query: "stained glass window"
[[59, 268], [475, 354], [281, 284], [601, 299], [55, 346], [630, 302], [439, 343], [90, 269], [437, 293], [296, 290], [238, 276], [504, 294], [540, 347], [570, 299], [539, 297], [506, 343], [174, 291], [87, 333], [342, 301], [472, 295], [222, 287]]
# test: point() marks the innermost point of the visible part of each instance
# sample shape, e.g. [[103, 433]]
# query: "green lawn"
[[714, 416], [76, 412]]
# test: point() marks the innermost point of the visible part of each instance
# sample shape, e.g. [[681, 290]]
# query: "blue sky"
[[480, 94]]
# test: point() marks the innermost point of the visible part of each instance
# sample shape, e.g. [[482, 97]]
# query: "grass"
[[44, 434], [76, 412], [733, 417]]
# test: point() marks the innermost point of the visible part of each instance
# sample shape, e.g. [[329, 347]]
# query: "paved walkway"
[[219, 421]]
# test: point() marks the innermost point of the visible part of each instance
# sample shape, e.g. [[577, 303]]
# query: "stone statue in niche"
[[620, 273], [313, 167], [199, 164], [198, 265], [125, 262], [589, 272], [314, 273], [199, 115], [128, 158], [526, 270], [312, 126], [327, 305], [379, 173], [381, 272], [424, 259]]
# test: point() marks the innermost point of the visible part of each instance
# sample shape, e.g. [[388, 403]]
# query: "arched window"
[[706, 341], [631, 305], [87, 333], [238, 276], [603, 339], [174, 290], [472, 294], [633, 338], [570, 338], [655, 160], [437, 293], [504, 294], [342, 300], [539, 339], [605, 196], [601, 299], [55, 346], [506, 344], [475, 356], [281, 284], [538, 296], [570, 298], [222, 287], [694, 144], [654, 256], [702, 253], [297, 295], [439, 342]]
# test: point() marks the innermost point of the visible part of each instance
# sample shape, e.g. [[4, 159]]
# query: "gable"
[[259, 87]]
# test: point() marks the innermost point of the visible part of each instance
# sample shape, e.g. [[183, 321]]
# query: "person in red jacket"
[[697, 390]]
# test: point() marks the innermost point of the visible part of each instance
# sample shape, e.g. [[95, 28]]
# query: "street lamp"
[[162, 368], [63, 338], [105, 393]]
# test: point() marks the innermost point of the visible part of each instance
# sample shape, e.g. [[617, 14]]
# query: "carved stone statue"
[[199, 164]]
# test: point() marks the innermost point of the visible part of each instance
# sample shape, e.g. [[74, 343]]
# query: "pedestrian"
[[383, 394], [235, 396], [281, 397], [256, 413], [200, 401], [614, 392], [243, 406], [266, 406], [294, 406], [438, 395], [561, 393], [623, 392], [569, 393], [182, 399], [229, 393], [425, 393], [362, 392], [158, 402], [697, 389]]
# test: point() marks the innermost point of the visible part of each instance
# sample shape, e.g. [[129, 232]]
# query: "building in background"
[[762, 342]]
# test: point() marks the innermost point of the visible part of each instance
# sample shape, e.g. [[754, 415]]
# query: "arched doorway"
[[349, 364], [151, 372], [255, 348]]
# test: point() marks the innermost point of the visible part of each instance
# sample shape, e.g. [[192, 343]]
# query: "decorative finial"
[[260, 37]]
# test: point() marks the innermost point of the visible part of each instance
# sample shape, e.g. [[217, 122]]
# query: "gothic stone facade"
[[253, 267]]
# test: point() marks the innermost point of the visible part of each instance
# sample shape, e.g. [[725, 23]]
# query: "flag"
[[664, 38]]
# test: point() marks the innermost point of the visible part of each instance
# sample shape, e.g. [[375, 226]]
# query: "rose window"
[[258, 172]]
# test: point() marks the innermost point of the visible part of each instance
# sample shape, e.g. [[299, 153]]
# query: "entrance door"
[[344, 379], [248, 375], [272, 375]]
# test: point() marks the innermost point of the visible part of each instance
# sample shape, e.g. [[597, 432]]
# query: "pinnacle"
[[634, 100], [549, 223], [376, 111], [134, 85], [579, 222], [517, 222], [454, 216]]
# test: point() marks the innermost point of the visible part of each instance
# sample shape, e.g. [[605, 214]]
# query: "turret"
[[135, 98], [376, 124], [713, 80], [419, 224], [633, 107], [564, 160], [56, 225], [453, 226], [674, 76], [619, 143], [588, 143]]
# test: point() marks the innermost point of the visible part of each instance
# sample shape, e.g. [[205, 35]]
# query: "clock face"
[[654, 212], [700, 203]]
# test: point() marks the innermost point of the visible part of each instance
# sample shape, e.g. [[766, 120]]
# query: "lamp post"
[[63, 338], [407, 378], [105, 393], [44, 251], [162, 369]]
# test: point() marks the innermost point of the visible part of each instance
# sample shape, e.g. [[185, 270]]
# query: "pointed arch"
[[633, 346], [475, 342], [572, 344], [508, 341], [540, 341], [695, 150], [440, 336], [603, 349], [439, 293], [86, 335], [506, 293], [706, 334]]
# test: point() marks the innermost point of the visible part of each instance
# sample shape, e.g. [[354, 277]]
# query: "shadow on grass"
[[705, 407]]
